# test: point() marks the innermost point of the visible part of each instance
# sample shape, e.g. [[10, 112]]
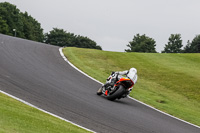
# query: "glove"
[[112, 73]]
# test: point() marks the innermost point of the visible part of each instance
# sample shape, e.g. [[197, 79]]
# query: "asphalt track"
[[37, 73]]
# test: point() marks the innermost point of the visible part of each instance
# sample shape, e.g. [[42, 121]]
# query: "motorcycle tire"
[[117, 94]]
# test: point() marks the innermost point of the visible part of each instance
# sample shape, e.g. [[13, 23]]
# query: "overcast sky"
[[113, 23]]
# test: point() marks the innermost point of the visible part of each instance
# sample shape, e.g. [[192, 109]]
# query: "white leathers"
[[131, 74]]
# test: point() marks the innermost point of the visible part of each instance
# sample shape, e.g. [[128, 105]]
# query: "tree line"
[[62, 38], [13, 22], [16, 23], [143, 43]]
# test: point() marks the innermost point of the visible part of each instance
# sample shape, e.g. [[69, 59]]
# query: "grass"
[[169, 82], [16, 117]]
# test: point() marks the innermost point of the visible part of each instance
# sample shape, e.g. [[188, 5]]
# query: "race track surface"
[[36, 73]]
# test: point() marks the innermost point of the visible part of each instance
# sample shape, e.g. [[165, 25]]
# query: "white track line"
[[29, 104], [61, 53]]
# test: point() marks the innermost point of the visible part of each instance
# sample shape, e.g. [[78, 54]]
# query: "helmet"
[[133, 70], [131, 74]]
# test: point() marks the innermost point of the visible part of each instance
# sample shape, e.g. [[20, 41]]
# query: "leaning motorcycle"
[[118, 90]]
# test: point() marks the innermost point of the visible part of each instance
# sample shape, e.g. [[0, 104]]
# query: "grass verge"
[[16, 117], [168, 82]]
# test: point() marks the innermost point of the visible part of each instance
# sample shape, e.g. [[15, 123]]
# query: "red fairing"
[[125, 79]]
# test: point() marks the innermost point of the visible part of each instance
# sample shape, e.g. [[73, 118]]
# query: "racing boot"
[[100, 90]]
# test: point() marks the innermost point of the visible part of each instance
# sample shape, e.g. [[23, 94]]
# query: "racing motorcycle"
[[116, 90]]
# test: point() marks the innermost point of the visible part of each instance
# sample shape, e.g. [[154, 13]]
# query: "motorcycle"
[[116, 90]]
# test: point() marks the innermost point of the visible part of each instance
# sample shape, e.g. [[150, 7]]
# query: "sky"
[[112, 24]]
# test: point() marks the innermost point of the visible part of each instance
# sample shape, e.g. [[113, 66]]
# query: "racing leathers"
[[116, 76]]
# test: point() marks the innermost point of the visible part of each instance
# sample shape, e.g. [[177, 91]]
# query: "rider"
[[116, 76]]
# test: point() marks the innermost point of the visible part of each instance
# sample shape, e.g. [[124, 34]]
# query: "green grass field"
[[16, 117], [169, 82]]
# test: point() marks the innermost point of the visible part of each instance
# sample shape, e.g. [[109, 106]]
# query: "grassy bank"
[[169, 82], [16, 117]]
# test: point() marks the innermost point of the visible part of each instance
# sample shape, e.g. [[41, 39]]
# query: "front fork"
[[106, 89]]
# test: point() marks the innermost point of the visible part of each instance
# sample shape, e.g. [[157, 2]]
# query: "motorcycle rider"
[[116, 76]]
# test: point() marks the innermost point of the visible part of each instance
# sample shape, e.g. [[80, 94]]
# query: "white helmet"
[[132, 73]]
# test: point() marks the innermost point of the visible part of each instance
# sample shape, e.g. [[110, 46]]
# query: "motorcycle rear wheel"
[[117, 94]]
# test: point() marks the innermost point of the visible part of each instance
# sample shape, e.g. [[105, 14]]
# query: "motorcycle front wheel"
[[117, 94]]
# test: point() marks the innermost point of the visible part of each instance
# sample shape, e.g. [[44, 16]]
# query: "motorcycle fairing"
[[126, 82]]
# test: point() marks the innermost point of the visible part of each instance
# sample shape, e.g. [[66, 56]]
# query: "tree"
[[142, 43], [61, 38], [187, 48], [3, 26], [31, 28], [11, 15], [85, 42], [194, 46], [26, 26], [174, 44]]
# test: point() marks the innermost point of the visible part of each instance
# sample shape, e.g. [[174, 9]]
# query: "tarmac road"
[[36, 73]]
